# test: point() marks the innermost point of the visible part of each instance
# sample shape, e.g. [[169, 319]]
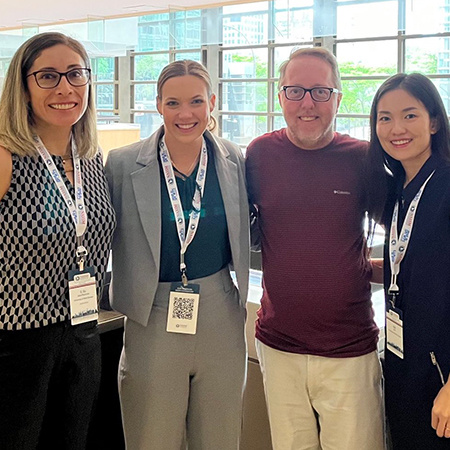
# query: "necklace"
[[67, 163], [189, 171]]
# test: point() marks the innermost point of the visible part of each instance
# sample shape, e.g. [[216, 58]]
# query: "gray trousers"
[[178, 388]]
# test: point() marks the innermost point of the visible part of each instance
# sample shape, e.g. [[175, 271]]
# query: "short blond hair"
[[16, 116], [187, 67], [317, 52]]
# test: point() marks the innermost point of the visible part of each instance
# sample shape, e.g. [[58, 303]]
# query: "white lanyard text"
[[398, 243], [77, 210], [184, 237]]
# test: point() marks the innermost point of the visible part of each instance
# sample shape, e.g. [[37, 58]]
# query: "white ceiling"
[[20, 13]]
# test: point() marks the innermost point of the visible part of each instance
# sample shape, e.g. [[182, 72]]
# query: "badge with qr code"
[[183, 308]]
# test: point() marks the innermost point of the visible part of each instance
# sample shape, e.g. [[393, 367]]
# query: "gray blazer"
[[134, 181]]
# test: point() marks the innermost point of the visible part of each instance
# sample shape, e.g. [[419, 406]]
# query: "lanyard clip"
[[81, 254], [184, 279], [392, 298]]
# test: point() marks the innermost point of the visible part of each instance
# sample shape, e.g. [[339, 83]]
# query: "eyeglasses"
[[49, 79], [318, 94]]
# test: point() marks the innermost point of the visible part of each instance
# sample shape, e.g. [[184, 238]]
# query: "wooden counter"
[[109, 320], [114, 135]]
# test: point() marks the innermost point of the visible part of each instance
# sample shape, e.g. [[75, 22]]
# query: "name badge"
[[83, 296], [183, 308], [394, 332]]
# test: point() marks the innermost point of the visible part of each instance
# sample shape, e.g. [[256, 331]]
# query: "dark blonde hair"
[[16, 116], [182, 68], [317, 52]]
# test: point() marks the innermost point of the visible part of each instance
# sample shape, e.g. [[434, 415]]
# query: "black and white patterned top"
[[38, 241]]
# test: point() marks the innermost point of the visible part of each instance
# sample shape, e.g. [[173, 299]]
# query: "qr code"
[[183, 308]]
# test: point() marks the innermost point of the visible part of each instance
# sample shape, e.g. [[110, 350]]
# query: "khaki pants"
[[323, 403]]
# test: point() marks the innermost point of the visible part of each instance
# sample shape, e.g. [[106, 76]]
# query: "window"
[[243, 46], [104, 80]]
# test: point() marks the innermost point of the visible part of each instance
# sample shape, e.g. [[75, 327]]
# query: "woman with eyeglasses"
[[56, 225], [183, 219]]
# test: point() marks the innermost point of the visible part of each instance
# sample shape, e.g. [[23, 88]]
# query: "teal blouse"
[[210, 250]]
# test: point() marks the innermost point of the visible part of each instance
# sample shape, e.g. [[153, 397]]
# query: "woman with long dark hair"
[[410, 162]]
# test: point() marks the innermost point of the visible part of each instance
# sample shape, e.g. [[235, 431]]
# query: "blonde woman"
[[182, 221]]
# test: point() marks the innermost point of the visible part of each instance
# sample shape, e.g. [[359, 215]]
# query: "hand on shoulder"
[[5, 171]]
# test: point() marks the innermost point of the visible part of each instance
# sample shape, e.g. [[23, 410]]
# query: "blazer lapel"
[[227, 173], [147, 193]]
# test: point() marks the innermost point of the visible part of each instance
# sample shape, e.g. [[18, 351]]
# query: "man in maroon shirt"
[[315, 334]]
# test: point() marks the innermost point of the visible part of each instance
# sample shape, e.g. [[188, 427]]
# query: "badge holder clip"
[[81, 257], [82, 290]]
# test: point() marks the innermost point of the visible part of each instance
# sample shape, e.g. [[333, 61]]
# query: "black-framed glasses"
[[318, 94], [49, 79]]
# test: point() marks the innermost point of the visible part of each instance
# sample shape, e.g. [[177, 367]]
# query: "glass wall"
[[378, 38], [243, 46]]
